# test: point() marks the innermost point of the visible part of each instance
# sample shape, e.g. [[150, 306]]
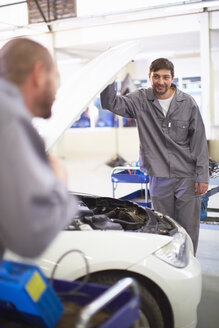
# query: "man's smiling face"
[[161, 81]]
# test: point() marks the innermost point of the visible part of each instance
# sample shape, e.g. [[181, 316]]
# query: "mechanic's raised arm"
[[120, 105]]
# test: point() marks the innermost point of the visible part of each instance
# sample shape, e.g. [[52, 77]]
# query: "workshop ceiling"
[[22, 13], [66, 18]]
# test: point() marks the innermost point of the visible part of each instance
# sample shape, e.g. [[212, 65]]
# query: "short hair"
[[162, 63], [18, 57]]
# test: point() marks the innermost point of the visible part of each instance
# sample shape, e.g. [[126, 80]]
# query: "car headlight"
[[176, 252]]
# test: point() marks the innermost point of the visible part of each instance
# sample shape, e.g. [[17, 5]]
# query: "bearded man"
[[173, 145]]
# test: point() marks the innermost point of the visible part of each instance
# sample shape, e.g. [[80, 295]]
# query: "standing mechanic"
[[34, 201], [173, 146]]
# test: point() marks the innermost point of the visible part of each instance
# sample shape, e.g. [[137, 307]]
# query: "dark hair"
[[162, 63]]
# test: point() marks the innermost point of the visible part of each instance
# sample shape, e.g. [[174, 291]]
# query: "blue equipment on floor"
[[129, 174], [25, 292], [27, 299], [205, 199], [121, 300]]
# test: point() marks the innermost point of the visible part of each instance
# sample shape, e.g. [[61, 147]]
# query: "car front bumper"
[[181, 286]]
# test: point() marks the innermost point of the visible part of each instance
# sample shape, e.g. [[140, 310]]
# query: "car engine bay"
[[105, 213]]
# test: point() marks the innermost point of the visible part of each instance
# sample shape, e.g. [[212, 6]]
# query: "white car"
[[119, 238]]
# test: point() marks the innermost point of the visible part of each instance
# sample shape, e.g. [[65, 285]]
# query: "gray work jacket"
[[34, 204], [171, 146]]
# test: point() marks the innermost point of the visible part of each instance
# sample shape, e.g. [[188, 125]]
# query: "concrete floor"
[[94, 176], [208, 255]]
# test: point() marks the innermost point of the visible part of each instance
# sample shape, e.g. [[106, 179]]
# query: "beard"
[[44, 102], [160, 90]]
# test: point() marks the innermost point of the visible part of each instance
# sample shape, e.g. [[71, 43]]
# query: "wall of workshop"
[[214, 141], [214, 42], [99, 143]]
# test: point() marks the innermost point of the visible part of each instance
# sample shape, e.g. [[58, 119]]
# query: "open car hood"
[[74, 97], [105, 213]]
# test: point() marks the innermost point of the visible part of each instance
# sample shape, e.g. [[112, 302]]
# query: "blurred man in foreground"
[[34, 201]]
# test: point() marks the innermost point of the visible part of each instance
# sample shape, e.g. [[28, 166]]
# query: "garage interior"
[[187, 33]]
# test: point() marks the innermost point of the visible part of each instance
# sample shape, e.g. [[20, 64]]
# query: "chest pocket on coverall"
[[179, 131]]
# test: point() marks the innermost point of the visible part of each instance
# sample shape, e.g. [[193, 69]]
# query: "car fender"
[[104, 250]]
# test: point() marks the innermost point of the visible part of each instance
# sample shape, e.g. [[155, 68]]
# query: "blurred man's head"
[[161, 74], [29, 65]]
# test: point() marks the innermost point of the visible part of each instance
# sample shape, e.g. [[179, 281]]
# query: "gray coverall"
[[34, 204], [173, 150]]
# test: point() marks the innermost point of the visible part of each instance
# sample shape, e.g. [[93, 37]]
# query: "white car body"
[[133, 254]]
